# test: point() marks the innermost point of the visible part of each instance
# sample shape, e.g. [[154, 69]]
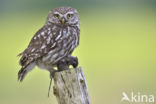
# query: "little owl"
[[53, 44]]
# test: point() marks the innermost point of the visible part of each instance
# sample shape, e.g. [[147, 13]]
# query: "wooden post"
[[70, 87]]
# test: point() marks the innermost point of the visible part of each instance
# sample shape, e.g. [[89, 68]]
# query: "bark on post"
[[70, 87]]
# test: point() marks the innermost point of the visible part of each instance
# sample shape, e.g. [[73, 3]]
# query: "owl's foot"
[[71, 60], [65, 63], [62, 65]]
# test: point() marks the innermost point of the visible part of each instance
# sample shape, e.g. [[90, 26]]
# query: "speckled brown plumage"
[[54, 42]]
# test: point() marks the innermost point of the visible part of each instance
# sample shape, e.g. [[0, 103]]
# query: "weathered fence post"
[[70, 87]]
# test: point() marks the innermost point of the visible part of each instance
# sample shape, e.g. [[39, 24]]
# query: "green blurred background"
[[117, 48]]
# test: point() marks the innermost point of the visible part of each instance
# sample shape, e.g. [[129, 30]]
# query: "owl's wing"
[[39, 46]]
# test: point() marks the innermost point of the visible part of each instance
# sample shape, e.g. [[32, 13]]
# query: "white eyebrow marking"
[[70, 13], [58, 13]]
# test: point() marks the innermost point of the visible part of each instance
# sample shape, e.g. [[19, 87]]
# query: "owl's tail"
[[24, 70], [21, 74]]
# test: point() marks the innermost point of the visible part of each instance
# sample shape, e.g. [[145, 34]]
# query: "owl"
[[53, 44]]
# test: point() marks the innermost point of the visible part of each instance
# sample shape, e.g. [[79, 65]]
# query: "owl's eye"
[[69, 15], [56, 16]]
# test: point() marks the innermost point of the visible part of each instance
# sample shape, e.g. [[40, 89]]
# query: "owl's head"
[[63, 16]]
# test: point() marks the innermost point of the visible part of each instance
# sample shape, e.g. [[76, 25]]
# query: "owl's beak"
[[62, 20]]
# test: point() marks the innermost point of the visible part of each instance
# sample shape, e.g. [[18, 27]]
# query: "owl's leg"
[[71, 60], [24, 70]]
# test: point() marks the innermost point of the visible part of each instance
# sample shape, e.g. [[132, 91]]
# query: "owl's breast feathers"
[[50, 44]]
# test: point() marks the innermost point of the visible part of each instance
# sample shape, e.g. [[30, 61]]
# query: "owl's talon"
[[75, 62], [72, 61], [62, 65]]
